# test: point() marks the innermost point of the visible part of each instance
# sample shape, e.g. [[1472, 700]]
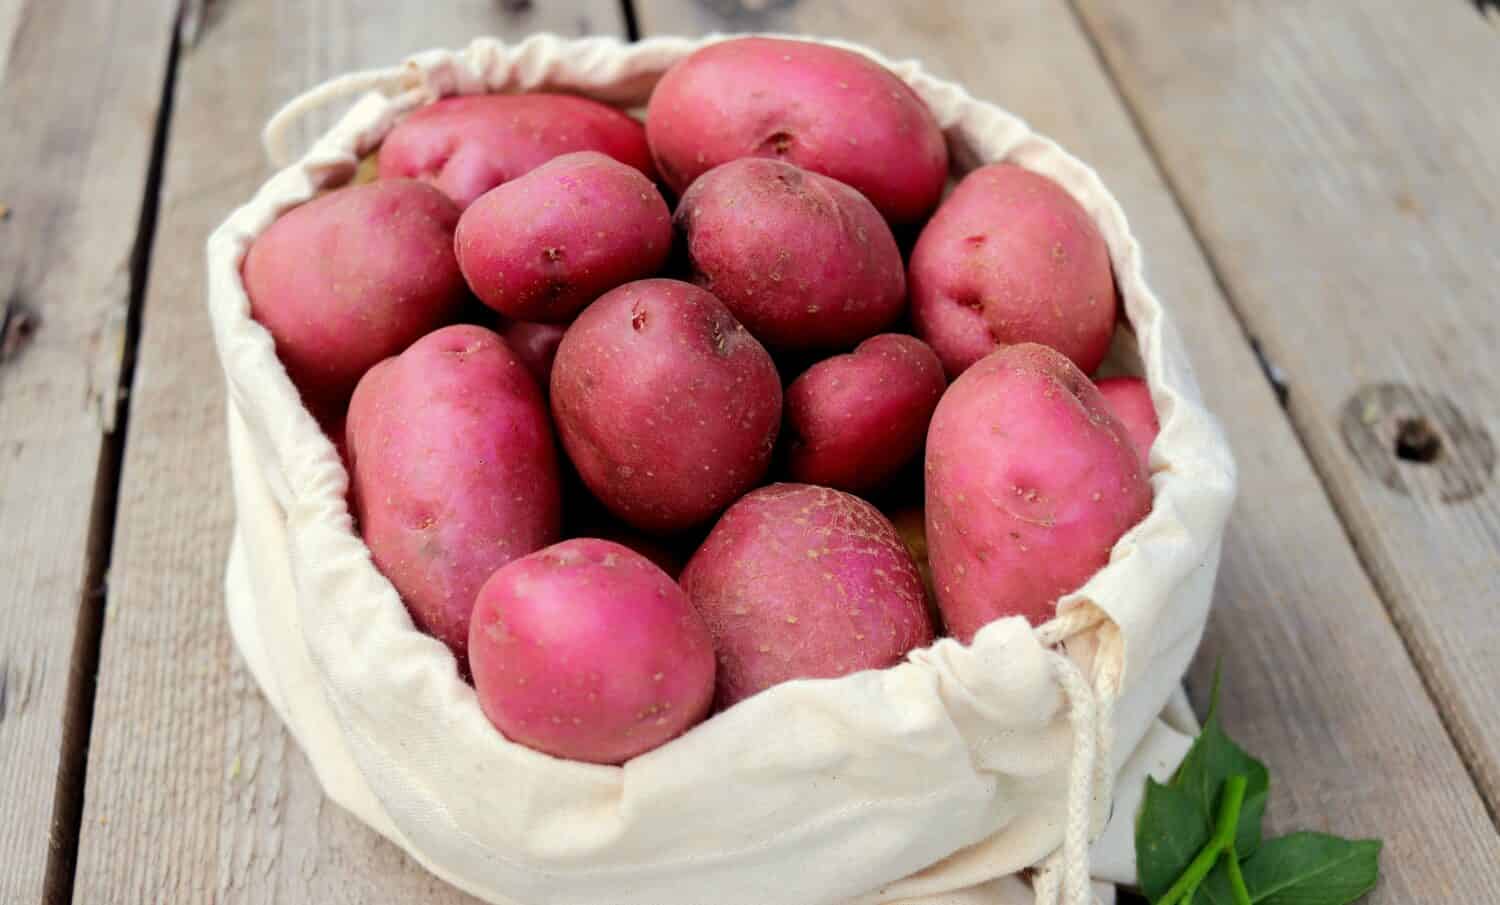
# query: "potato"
[[1129, 400], [1010, 258], [804, 261], [824, 109], [454, 472], [543, 245], [853, 420], [468, 145], [665, 403], [585, 650], [910, 523], [535, 345], [1030, 481], [351, 278], [797, 581]]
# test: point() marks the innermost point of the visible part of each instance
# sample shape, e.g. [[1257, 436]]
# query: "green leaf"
[[1213, 758], [1168, 834], [1312, 869]]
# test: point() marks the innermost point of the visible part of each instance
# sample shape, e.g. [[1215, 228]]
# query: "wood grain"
[[10, 19], [1340, 164], [78, 105], [195, 792], [1317, 680]]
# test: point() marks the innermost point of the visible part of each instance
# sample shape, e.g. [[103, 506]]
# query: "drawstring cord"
[[1063, 877]]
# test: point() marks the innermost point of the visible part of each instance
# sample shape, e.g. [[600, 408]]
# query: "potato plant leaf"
[[1198, 837]]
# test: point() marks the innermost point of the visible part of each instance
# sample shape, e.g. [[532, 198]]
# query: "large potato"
[[468, 145], [804, 261], [666, 404], [824, 109], [853, 420], [454, 472], [1030, 481], [1010, 258], [797, 581], [543, 245], [586, 650], [1129, 399], [351, 278]]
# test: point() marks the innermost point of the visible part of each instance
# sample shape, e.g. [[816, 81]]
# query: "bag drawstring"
[[1063, 877], [273, 137]]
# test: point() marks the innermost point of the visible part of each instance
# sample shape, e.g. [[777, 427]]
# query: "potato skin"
[[666, 405], [1010, 258], [1129, 400], [855, 419], [536, 346], [797, 581], [588, 651], [1030, 481], [351, 278], [454, 472], [804, 261], [824, 109], [468, 145], [543, 245]]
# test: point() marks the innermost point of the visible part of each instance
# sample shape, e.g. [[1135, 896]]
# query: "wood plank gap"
[[1425, 671], [632, 27], [62, 851]]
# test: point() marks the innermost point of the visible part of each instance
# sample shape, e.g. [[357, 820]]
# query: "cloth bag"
[[966, 774]]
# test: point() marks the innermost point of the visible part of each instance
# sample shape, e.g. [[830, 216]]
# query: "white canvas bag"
[[937, 781]]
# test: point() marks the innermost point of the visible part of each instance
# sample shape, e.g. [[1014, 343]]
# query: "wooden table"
[[1317, 185]]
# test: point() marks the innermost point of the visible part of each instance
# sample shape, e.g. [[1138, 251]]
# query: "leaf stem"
[[1237, 881], [1229, 811], [1221, 841]]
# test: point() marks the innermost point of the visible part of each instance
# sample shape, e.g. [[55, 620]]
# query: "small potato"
[[536, 346], [1129, 400], [468, 145], [1030, 481], [585, 650], [804, 261], [543, 245], [454, 472], [824, 109], [855, 419], [665, 403], [351, 278], [797, 582], [1010, 258]]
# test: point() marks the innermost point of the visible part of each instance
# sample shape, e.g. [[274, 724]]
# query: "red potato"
[[1030, 481], [1011, 258], [468, 145], [824, 109], [587, 651], [454, 472], [803, 582], [543, 245], [536, 346], [855, 419], [804, 261], [1129, 399], [351, 278], [666, 405]]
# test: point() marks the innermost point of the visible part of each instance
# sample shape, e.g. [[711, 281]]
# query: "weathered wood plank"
[[212, 802], [10, 18], [1340, 166], [1297, 623], [79, 99]]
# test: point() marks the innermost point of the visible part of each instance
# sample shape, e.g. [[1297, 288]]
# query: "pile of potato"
[[607, 447]]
